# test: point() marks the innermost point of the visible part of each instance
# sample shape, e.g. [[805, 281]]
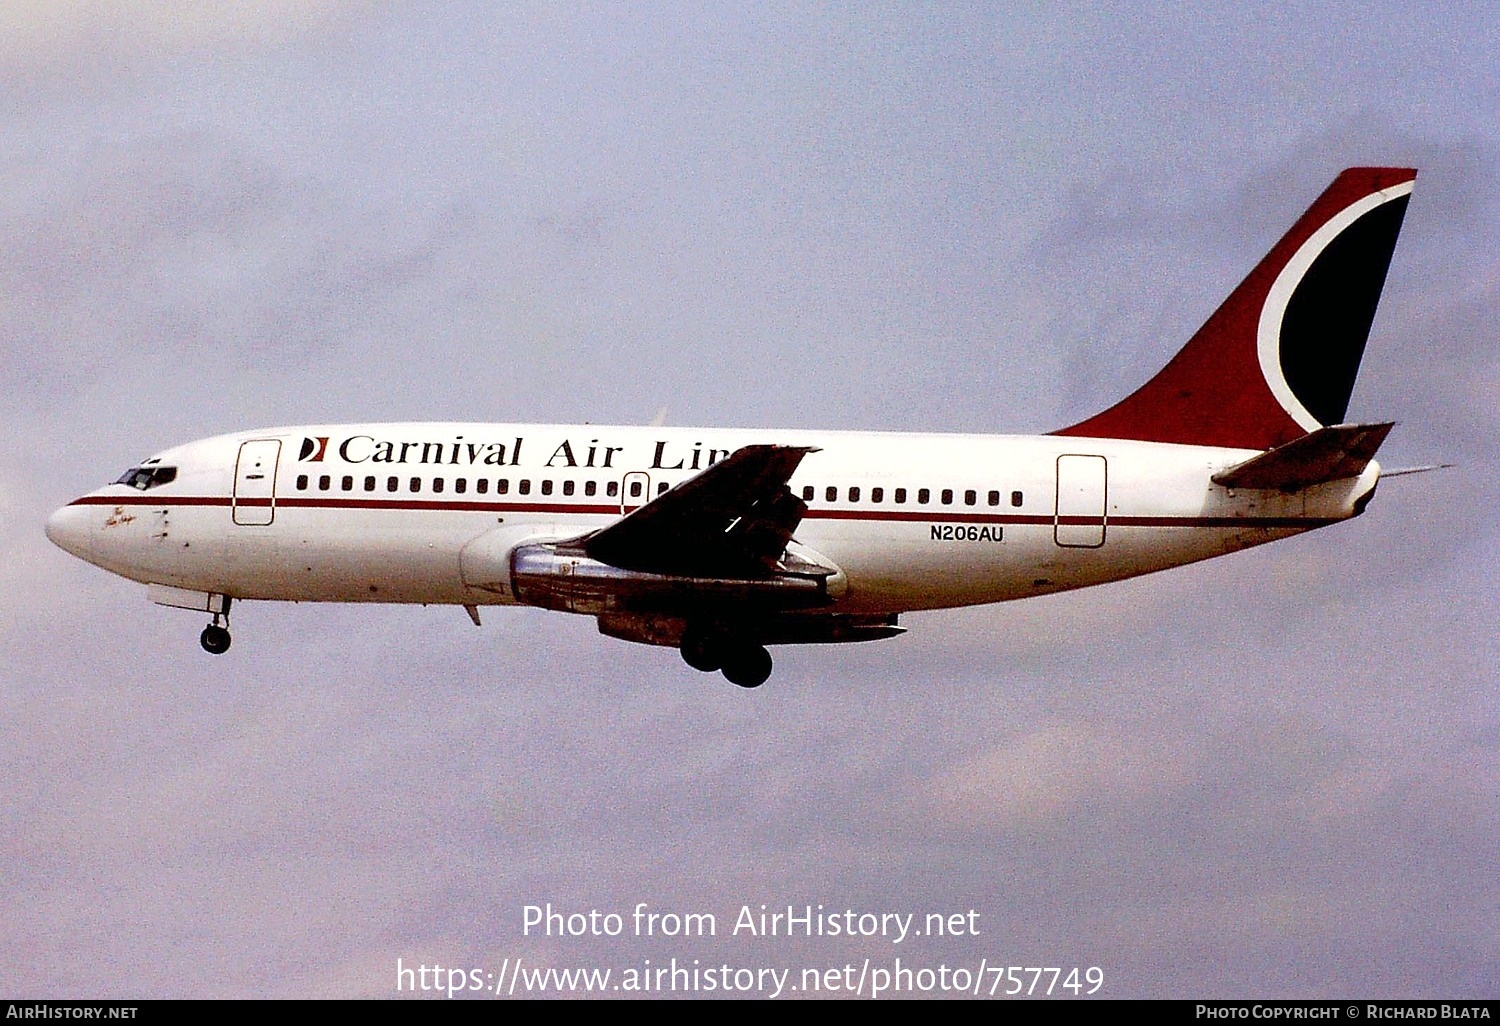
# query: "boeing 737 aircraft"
[[722, 542]]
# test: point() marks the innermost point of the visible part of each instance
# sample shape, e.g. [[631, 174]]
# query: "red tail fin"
[[1279, 358]]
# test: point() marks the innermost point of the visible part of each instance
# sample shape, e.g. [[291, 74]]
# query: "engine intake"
[[564, 578]]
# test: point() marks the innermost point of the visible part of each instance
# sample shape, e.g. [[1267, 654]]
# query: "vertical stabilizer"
[[1278, 359]]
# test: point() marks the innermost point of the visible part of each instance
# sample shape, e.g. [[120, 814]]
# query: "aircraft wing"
[[732, 520]]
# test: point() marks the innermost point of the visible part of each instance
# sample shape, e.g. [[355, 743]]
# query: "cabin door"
[[255, 482], [1082, 493]]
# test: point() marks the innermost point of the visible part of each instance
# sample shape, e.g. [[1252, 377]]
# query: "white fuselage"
[[386, 512]]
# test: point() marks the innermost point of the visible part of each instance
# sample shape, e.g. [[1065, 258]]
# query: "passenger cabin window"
[[547, 487], [854, 494], [568, 487], [590, 488], [612, 489], [502, 486], [900, 494], [662, 487], [807, 493], [301, 482], [947, 496], [461, 485], [832, 494], [148, 477], [370, 484], [877, 494], [324, 482], [437, 484], [970, 497], [524, 486], [416, 484], [923, 495], [1015, 498], [482, 486], [994, 498], [392, 483], [635, 489], [347, 484]]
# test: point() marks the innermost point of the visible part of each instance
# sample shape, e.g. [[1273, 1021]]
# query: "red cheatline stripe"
[[924, 516], [876, 515], [143, 500]]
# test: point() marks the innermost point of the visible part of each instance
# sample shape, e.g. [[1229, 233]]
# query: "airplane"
[[720, 543]]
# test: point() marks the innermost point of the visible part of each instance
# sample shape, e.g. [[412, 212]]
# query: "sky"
[[1271, 775]]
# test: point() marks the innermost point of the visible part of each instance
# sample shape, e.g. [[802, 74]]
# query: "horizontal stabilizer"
[[1327, 454]]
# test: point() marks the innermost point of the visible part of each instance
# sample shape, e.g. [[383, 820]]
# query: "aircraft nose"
[[70, 530]]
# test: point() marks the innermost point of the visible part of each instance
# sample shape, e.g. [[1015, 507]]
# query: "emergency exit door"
[[1082, 493], [635, 490]]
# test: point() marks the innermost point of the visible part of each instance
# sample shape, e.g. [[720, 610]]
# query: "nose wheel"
[[215, 638]]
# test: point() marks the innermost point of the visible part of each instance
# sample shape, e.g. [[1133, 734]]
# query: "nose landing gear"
[[215, 637]]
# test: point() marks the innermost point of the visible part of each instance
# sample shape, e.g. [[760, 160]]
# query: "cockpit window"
[[147, 477]]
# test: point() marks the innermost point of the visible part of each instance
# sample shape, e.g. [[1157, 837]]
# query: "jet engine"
[[561, 576]]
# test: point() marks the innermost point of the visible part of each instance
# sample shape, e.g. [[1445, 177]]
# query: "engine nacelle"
[[485, 561], [567, 579]]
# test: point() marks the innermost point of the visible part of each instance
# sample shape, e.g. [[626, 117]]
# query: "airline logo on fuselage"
[[313, 450], [464, 453]]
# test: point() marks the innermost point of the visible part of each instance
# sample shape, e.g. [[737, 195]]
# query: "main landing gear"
[[742, 662], [215, 637]]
